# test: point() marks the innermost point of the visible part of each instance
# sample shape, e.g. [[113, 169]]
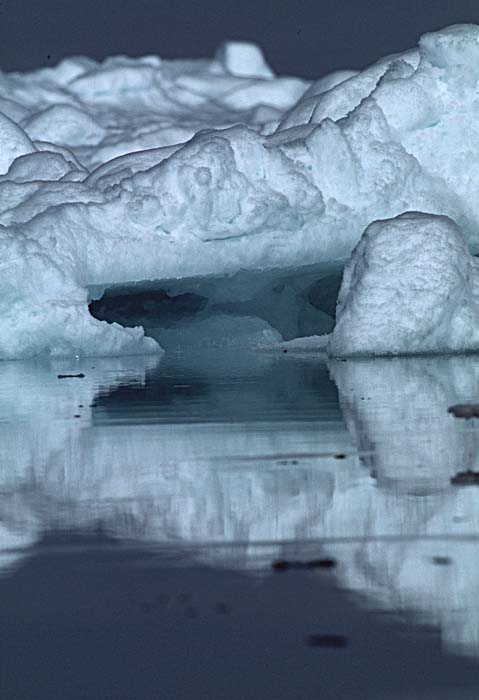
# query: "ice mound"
[[66, 124], [36, 320], [146, 170], [43, 165], [243, 59], [426, 97], [411, 286], [14, 142]]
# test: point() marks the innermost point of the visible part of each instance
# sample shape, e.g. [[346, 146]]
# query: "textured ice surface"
[[143, 169], [411, 286]]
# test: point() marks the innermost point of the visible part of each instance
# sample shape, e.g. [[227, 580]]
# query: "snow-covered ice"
[[138, 170], [410, 286]]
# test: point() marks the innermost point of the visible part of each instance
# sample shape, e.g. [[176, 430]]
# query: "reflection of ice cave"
[[267, 480], [219, 180]]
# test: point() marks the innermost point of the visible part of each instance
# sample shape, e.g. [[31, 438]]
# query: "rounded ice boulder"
[[411, 286]]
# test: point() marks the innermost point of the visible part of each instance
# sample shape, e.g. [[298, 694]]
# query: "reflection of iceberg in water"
[[397, 412], [42, 427], [190, 469], [12, 542], [216, 453]]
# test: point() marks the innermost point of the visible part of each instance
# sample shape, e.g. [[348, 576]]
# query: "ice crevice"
[[217, 179]]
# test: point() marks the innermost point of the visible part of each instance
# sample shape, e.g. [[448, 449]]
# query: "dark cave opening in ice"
[[245, 309]]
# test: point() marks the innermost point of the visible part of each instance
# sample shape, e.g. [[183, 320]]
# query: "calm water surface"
[[142, 507]]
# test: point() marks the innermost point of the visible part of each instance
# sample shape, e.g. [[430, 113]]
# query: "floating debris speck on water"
[[283, 565], [467, 478], [80, 375], [464, 410], [441, 561], [331, 641]]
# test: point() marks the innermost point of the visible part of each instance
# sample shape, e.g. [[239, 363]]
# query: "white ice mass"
[[411, 286], [245, 192]]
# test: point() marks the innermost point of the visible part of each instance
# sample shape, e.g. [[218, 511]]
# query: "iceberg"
[[189, 173]]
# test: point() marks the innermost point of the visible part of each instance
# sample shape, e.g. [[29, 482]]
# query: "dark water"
[[142, 507]]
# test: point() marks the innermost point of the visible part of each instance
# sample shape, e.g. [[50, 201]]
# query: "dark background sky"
[[299, 37]]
